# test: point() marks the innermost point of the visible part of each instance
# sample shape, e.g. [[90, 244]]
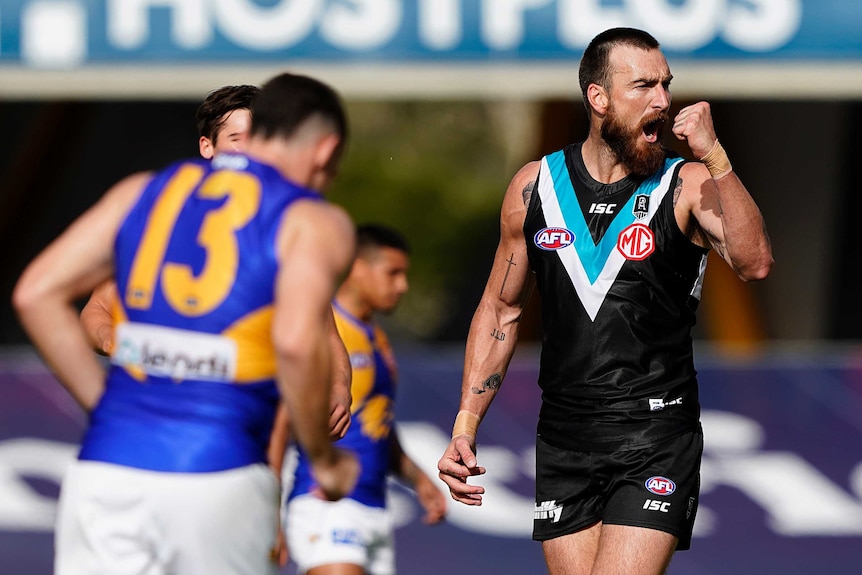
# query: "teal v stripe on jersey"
[[592, 256]]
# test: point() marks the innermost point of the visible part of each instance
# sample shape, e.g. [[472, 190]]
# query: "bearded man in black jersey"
[[615, 232]]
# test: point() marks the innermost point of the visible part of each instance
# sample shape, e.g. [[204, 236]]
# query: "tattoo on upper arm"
[[677, 190], [490, 384], [511, 262], [527, 193]]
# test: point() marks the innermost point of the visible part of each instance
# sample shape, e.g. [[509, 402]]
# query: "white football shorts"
[[120, 520], [323, 532]]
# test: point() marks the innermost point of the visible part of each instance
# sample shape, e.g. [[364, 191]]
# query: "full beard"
[[640, 157]]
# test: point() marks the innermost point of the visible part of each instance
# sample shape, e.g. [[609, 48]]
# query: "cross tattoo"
[[511, 262]]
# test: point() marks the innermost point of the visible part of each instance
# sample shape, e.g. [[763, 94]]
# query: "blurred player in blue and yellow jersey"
[[225, 271], [354, 536], [224, 121]]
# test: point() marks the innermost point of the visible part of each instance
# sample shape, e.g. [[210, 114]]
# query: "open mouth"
[[652, 129]]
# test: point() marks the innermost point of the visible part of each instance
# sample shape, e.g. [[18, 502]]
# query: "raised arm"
[[492, 339], [713, 206], [315, 248], [70, 267]]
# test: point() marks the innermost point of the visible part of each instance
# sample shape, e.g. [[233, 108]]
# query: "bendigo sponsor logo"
[[660, 485], [178, 354], [553, 238], [636, 242]]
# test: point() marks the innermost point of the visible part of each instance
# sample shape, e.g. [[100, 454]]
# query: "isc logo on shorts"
[[660, 485]]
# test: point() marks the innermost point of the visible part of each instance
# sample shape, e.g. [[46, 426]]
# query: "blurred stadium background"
[[447, 99]]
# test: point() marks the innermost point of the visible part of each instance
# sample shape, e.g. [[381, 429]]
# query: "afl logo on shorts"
[[553, 238], [660, 485], [636, 242]]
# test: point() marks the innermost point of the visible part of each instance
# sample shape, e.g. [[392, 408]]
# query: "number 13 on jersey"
[[188, 294]]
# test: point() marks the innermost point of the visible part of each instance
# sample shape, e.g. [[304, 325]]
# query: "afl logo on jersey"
[[660, 485], [553, 238], [636, 242], [361, 360]]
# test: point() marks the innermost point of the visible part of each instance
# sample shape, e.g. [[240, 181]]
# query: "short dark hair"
[[211, 113], [595, 66], [380, 236], [286, 101]]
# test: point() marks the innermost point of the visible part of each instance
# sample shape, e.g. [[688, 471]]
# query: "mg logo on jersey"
[[553, 238], [660, 485], [636, 242]]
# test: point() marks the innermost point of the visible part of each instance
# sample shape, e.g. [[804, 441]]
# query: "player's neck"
[[601, 162], [352, 302]]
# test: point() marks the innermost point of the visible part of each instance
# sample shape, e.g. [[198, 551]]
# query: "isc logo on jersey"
[[636, 242], [553, 238], [660, 485]]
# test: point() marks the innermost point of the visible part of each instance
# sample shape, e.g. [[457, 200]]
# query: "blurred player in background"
[[225, 271], [615, 230], [354, 536], [223, 122]]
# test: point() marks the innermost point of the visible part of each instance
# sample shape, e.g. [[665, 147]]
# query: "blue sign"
[[74, 33]]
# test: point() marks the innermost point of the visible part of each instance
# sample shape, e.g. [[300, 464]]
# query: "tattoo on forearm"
[[490, 384], [511, 262], [527, 193], [498, 334], [677, 190]]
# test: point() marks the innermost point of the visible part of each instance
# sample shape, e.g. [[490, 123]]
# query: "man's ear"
[[598, 99], [205, 146], [326, 152]]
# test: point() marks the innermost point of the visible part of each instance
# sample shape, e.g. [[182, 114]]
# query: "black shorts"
[[655, 487]]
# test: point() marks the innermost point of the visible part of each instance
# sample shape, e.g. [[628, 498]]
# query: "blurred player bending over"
[[354, 536], [225, 270]]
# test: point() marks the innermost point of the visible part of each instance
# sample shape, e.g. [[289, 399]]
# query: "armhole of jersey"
[[534, 201], [142, 195], [678, 232]]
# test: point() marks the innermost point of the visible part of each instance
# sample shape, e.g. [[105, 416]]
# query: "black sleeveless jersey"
[[619, 284]]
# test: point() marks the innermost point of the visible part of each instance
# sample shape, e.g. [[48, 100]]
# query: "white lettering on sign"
[[441, 26], [753, 25]]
